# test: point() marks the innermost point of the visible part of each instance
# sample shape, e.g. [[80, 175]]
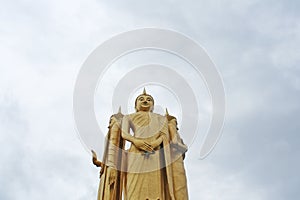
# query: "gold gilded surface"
[[152, 168]]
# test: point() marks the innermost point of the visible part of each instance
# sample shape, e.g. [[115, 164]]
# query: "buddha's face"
[[144, 103]]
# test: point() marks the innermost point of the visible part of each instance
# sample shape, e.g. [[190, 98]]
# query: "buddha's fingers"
[[148, 147]]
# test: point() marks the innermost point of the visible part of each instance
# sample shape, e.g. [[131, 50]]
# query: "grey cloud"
[[255, 45]]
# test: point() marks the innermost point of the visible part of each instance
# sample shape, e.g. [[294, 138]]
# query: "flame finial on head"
[[144, 91]]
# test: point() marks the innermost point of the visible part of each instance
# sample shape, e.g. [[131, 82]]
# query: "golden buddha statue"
[[152, 168]]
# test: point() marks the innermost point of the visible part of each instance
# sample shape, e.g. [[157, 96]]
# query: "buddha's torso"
[[146, 124]]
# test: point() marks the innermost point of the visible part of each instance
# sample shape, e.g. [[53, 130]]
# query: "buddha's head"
[[144, 102]]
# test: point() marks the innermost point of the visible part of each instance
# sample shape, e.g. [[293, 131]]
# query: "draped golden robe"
[[139, 175], [153, 176]]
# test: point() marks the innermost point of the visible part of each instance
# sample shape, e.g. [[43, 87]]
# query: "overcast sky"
[[254, 44]]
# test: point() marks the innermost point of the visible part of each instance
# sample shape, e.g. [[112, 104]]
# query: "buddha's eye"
[[148, 99], [142, 99]]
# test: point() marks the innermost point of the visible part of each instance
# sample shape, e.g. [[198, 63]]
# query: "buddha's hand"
[[112, 176], [94, 156], [143, 145], [95, 159]]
